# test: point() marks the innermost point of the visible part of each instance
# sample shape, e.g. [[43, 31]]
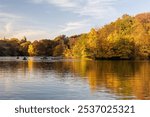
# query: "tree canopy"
[[126, 38]]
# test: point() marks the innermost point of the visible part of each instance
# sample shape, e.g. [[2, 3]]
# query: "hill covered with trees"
[[126, 38]]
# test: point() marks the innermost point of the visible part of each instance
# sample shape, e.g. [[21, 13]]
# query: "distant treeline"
[[126, 38], [23, 47]]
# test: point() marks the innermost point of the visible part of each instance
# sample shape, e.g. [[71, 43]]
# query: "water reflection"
[[75, 79], [129, 79]]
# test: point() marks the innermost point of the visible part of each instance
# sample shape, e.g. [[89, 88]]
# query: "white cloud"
[[61, 3], [11, 26], [31, 33], [73, 26], [9, 16], [8, 27], [7, 20], [93, 8], [97, 9]]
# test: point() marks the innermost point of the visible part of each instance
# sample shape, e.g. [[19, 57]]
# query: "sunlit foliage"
[[126, 38]]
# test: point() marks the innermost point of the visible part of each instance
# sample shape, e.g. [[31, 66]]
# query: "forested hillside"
[[126, 38]]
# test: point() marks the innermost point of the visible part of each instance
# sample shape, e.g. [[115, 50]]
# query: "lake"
[[73, 79]]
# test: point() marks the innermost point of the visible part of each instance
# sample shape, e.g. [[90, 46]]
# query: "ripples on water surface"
[[73, 79]]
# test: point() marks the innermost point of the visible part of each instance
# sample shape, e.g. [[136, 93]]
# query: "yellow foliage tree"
[[31, 50]]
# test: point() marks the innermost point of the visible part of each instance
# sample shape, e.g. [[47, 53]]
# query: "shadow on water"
[[125, 79]]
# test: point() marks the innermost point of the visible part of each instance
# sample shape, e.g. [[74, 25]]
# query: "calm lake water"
[[73, 79]]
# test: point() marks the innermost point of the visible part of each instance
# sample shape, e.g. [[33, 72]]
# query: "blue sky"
[[40, 19]]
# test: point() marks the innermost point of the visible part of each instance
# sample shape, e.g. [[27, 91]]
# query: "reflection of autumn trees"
[[142, 82], [127, 78], [124, 78]]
